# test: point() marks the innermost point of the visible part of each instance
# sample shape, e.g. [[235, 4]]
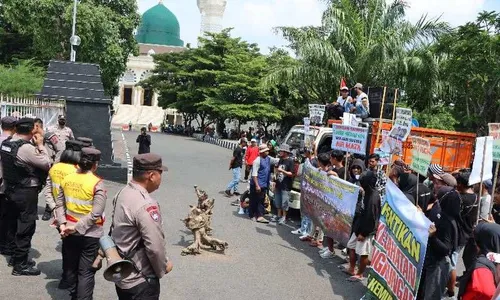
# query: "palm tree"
[[364, 40]]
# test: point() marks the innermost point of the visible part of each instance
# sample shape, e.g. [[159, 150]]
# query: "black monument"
[[87, 109]]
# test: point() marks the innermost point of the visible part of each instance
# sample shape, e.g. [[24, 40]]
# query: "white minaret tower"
[[212, 12]]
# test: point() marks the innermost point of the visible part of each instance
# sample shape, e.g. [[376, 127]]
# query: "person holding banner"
[[284, 175], [364, 226]]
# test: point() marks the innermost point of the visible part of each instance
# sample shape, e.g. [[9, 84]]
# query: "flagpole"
[[380, 118]]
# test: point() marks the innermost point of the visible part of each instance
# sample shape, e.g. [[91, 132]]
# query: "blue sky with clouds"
[[254, 20]]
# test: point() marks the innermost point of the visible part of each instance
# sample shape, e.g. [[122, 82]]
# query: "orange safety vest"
[[57, 173], [78, 191]]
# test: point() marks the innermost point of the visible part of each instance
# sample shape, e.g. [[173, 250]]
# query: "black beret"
[[9, 121], [26, 122], [91, 154], [148, 162]]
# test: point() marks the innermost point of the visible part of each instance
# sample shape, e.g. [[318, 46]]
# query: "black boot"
[[24, 269], [30, 262], [47, 214]]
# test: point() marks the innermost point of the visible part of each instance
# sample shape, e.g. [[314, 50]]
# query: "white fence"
[[47, 110]]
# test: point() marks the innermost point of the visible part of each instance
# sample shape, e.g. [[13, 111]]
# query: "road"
[[263, 260]]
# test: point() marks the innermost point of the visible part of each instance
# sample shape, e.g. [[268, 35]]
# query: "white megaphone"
[[118, 268]]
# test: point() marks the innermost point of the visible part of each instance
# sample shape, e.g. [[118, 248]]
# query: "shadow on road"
[[340, 286], [52, 271]]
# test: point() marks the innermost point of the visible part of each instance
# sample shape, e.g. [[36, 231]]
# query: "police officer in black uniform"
[[25, 166]]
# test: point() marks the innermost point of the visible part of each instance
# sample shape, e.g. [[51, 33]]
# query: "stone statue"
[[199, 221]]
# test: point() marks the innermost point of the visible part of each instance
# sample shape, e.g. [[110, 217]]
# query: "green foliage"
[[21, 79], [222, 79], [105, 28]]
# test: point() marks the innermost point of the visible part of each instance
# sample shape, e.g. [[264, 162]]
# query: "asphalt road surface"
[[263, 261]]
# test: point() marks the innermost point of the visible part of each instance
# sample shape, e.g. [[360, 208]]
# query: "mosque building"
[[159, 32]]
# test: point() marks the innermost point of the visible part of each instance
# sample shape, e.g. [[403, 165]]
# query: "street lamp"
[[74, 39]]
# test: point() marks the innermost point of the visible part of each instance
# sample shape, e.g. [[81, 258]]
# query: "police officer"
[[8, 129], [137, 230], [79, 210], [63, 132], [24, 164]]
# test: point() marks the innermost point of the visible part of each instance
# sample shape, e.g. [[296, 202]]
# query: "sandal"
[[262, 220], [355, 278]]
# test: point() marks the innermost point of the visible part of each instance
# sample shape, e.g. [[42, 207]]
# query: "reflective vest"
[[57, 173], [78, 191]]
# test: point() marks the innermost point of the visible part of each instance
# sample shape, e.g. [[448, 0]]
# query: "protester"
[[423, 198], [337, 108], [469, 214], [373, 165], [434, 169], [251, 154], [272, 145], [337, 165], [235, 165], [485, 204], [407, 183], [261, 175], [362, 109], [283, 186], [144, 140], [364, 226], [356, 168], [443, 240], [480, 280]]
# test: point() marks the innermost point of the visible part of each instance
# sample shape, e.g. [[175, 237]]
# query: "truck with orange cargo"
[[452, 150]]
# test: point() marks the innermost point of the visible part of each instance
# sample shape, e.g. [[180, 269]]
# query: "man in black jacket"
[[364, 225], [144, 141]]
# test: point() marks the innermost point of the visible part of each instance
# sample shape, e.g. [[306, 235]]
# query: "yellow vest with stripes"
[[57, 173], [78, 191]]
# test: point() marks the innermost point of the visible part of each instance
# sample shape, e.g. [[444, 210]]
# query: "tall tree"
[[21, 79], [361, 40], [105, 28]]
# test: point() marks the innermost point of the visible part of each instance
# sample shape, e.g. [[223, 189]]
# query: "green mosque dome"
[[159, 26]]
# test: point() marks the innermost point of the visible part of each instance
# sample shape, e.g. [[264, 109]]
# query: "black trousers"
[[144, 291], [470, 253], [256, 205], [3, 224], [247, 171], [23, 207], [80, 253]]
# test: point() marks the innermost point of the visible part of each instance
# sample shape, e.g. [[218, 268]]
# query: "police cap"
[[91, 154], [74, 145], [9, 122], [85, 140], [148, 162], [25, 122]]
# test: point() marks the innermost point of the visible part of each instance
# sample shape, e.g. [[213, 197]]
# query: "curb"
[[222, 143]]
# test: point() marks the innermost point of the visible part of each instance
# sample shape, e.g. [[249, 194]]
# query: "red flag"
[[342, 82]]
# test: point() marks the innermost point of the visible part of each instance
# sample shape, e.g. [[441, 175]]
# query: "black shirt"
[[144, 141], [340, 172], [284, 182], [238, 158], [469, 210]]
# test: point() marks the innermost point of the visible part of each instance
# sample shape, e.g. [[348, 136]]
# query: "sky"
[[254, 20]]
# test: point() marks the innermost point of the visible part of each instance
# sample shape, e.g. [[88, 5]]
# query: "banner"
[[482, 167], [390, 145], [421, 155], [399, 249], [402, 125], [349, 138], [329, 201], [495, 133], [316, 113]]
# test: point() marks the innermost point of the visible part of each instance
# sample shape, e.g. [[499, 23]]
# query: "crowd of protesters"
[[464, 222]]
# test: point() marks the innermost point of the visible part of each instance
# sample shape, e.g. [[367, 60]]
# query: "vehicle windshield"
[[295, 137]]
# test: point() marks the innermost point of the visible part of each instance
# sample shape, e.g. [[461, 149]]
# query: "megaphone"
[[118, 268]]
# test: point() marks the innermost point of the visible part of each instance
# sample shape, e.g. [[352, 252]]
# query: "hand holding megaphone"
[[170, 266]]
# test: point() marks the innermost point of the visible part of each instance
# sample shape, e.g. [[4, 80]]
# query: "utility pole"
[[74, 39]]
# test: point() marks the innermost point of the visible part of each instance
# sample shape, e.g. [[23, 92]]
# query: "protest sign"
[[390, 145], [316, 113], [350, 119], [349, 138], [402, 125], [329, 201], [421, 155], [399, 249], [494, 129], [482, 167]]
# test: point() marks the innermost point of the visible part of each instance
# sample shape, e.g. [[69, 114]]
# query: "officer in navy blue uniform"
[[25, 166]]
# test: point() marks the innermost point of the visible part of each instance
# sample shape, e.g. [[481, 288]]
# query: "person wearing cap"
[[433, 169], [25, 166], [261, 176], [284, 177], [250, 155], [362, 108], [8, 130], [87, 142], [144, 141], [137, 230], [235, 165], [79, 211], [62, 131]]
